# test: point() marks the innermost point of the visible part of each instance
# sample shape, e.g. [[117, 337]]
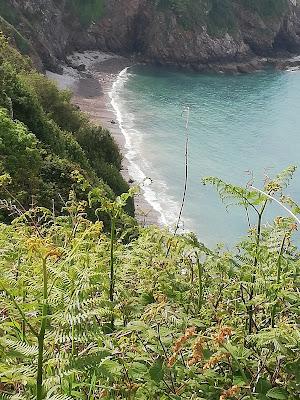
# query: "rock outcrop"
[[141, 28]]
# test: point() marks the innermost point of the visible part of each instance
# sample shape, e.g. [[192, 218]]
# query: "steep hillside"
[[185, 32], [47, 147]]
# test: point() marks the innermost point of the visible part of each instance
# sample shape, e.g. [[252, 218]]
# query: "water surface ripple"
[[237, 124]]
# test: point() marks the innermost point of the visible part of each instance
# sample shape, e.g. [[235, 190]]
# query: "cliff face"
[[157, 33]]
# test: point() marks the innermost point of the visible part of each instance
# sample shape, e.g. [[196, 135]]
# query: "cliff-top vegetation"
[[88, 11], [219, 15]]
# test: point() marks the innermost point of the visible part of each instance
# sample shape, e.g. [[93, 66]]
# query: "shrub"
[[65, 139]]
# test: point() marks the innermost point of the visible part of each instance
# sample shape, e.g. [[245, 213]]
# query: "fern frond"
[[59, 397], [4, 396], [235, 195], [281, 180], [21, 348]]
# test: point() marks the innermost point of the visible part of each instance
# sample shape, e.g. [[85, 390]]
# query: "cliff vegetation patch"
[[88, 11], [219, 15], [266, 8]]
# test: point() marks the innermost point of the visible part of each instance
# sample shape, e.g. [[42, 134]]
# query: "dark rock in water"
[[227, 69], [246, 68], [198, 67], [283, 64], [81, 67]]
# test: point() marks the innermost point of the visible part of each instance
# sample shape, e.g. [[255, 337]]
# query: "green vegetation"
[[7, 12], [189, 12], [87, 10], [219, 15], [90, 315], [46, 142], [266, 8], [94, 307], [21, 43]]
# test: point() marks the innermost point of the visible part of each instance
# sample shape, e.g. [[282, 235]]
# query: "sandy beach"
[[91, 88]]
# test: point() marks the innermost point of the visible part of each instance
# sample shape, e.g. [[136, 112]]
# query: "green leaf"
[[137, 370], [110, 368], [147, 298], [263, 386], [238, 380], [277, 393], [156, 371]]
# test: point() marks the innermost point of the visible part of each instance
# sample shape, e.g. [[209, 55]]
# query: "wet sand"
[[91, 89]]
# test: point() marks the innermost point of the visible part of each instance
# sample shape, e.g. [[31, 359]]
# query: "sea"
[[240, 128]]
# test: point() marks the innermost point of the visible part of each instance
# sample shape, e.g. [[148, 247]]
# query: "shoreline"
[[281, 62], [90, 77]]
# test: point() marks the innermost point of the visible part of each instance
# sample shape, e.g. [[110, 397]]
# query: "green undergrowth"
[[142, 314], [93, 306], [46, 143]]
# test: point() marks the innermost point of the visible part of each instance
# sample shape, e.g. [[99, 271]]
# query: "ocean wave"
[[162, 203]]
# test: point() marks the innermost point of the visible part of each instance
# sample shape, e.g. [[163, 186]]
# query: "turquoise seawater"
[[240, 126]]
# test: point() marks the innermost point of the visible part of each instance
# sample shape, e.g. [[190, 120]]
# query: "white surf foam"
[[162, 203]]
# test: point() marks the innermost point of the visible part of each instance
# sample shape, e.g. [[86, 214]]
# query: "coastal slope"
[[190, 33]]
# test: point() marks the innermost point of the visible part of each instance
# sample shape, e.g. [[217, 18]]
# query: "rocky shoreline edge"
[[233, 67], [280, 61]]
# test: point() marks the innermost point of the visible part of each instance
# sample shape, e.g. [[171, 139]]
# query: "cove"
[[241, 127]]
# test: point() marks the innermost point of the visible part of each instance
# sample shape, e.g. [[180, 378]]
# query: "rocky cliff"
[[194, 33]]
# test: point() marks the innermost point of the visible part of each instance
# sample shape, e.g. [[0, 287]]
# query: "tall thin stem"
[[41, 336], [255, 263], [279, 269], [112, 271], [200, 283], [186, 168], [23, 316], [186, 176]]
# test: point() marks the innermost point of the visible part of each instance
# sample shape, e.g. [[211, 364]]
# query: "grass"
[[88, 11]]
